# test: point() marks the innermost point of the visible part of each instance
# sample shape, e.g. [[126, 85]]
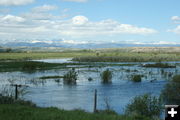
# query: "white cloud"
[[79, 20], [82, 27], [156, 43], [76, 0], [37, 16], [74, 42], [126, 28], [165, 43], [44, 8], [11, 19], [15, 2], [175, 18], [78, 26], [176, 30], [40, 29], [42, 16]]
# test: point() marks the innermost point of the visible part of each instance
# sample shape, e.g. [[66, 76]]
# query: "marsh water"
[[53, 93]]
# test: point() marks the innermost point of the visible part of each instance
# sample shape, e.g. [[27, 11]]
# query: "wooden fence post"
[[16, 92], [95, 101]]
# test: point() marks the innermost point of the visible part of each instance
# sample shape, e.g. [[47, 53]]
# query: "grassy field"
[[92, 57], [26, 56], [24, 112], [141, 54], [130, 57]]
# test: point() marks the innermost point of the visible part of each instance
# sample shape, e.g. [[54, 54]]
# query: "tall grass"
[[106, 76], [136, 78], [70, 77], [129, 57]]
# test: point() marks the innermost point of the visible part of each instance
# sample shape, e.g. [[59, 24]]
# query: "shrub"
[[145, 105], [170, 94], [136, 78], [6, 100], [70, 77], [176, 79], [11, 100], [106, 76]]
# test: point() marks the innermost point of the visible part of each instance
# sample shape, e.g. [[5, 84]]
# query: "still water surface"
[[52, 92]]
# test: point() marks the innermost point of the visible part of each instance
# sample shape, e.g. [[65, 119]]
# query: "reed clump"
[[106, 76]]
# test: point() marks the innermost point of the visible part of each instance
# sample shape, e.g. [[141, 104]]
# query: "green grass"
[[11, 109], [129, 57], [23, 112], [16, 61], [105, 55], [42, 55]]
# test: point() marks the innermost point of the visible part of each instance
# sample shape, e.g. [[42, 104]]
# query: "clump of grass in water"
[[159, 65], [90, 79], [70, 77], [136, 78], [50, 77], [106, 76]]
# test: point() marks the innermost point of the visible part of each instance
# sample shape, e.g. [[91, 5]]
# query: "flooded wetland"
[[46, 87]]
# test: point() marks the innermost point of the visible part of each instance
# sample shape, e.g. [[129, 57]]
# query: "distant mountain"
[[83, 46], [27, 44]]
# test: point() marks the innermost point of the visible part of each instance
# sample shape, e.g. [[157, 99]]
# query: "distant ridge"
[[83, 46]]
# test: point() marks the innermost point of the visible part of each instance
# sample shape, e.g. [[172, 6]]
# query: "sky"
[[90, 21]]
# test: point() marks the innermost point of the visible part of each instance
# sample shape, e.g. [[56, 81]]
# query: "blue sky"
[[90, 21]]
